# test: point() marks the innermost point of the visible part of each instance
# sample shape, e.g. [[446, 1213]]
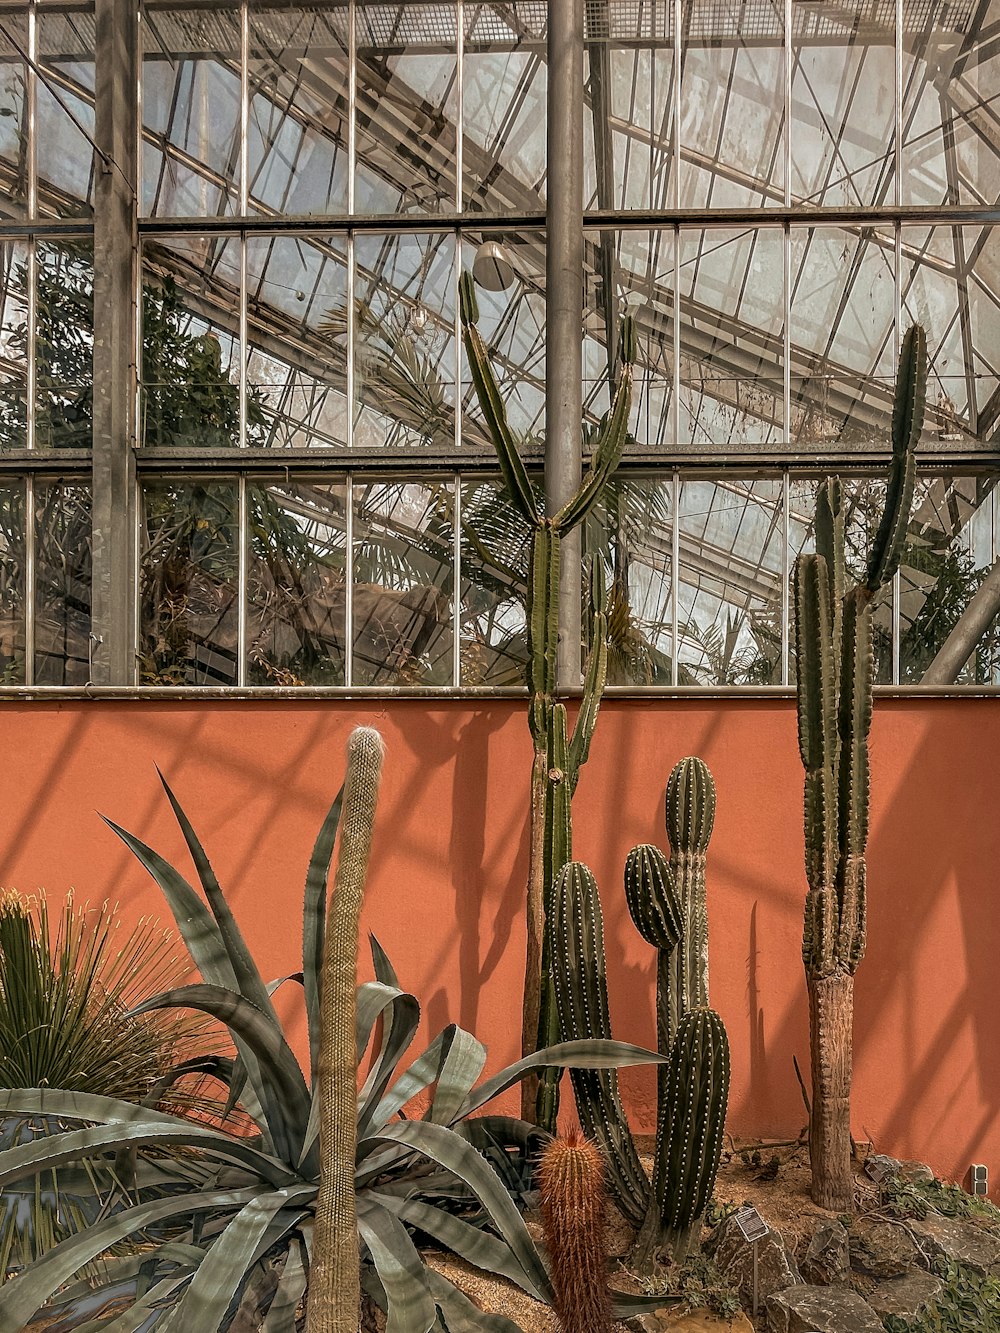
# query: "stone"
[[776, 1268], [811, 1309], [827, 1258], [917, 1173], [882, 1249], [908, 1297], [963, 1242]]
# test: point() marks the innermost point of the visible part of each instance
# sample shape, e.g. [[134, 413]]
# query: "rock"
[[776, 1268], [889, 1166], [908, 1297], [963, 1242], [917, 1173], [827, 1258], [882, 1249], [806, 1309]]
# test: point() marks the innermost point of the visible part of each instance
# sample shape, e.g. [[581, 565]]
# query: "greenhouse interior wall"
[[447, 884]]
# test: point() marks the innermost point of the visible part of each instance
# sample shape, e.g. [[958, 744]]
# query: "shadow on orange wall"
[[450, 862]]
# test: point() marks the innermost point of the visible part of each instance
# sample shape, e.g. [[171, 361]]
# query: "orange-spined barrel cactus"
[[571, 1180]]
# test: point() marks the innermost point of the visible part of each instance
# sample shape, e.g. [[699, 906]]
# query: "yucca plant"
[[209, 1217]]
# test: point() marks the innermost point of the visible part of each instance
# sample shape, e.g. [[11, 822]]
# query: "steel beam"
[[113, 471], [564, 309]]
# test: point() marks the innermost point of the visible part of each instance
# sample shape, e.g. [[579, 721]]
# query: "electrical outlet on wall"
[[979, 1179]]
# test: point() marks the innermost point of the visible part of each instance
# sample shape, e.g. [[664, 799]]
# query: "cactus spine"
[[693, 1091], [334, 1284], [558, 756], [833, 635], [571, 1181]]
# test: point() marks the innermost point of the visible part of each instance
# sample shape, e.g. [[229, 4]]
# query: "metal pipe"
[[970, 627], [564, 310]]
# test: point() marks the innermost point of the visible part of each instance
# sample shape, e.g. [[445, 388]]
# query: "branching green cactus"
[[833, 637], [693, 1095], [690, 815], [558, 756]]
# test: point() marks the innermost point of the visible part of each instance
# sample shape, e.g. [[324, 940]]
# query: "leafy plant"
[[209, 1217], [968, 1301]]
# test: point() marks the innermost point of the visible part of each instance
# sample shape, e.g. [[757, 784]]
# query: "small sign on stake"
[[752, 1226], [877, 1169]]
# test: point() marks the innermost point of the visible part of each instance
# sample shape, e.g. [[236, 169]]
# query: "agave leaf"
[[134, 1318], [471, 1243], [460, 1315], [314, 922], [119, 1268], [282, 1090], [384, 970], [278, 982], [249, 982], [400, 1268], [420, 1075], [463, 1062], [374, 997], [224, 1269], [22, 1295], [585, 1054], [399, 1027], [451, 1151], [280, 1317]]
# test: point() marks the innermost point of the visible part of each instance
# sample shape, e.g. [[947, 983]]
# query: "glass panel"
[[732, 337], [730, 581], [404, 575], [64, 113], [12, 584], [13, 114], [634, 271], [732, 104], [190, 111], [632, 532], [843, 102], [62, 583], [951, 546], [407, 108], [297, 327], [190, 325], [951, 285], [951, 98], [188, 585], [864, 502], [512, 322], [297, 134], [404, 336], [495, 541], [842, 324], [628, 126], [297, 584], [13, 345], [64, 345], [504, 107]]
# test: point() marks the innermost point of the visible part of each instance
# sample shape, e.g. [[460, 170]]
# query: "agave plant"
[[212, 1218]]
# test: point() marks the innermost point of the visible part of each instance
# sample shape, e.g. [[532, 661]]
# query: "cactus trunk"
[[831, 1018], [334, 1304]]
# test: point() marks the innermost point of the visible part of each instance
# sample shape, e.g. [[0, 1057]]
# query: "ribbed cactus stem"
[[651, 897], [334, 1282], [571, 1182], [690, 816]]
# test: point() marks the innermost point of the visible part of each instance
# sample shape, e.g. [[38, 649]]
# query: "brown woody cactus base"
[[831, 1021], [571, 1180]]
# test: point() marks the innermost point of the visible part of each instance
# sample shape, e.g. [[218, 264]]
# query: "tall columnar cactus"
[[690, 815], [558, 756], [833, 636], [334, 1283], [571, 1183], [693, 1093]]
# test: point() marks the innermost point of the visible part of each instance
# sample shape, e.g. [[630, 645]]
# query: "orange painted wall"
[[450, 859]]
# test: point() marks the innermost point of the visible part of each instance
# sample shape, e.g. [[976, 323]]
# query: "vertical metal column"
[[114, 343], [564, 309]]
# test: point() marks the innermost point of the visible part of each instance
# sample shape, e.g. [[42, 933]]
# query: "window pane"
[[297, 584], [12, 587], [404, 577], [14, 349], [297, 134], [64, 113], [64, 345], [188, 586], [730, 583], [504, 107], [190, 326], [495, 539], [732, 104], [14, 146], [62, 583], [297, 327], [404, 340], [407, 107], [190, 111]]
